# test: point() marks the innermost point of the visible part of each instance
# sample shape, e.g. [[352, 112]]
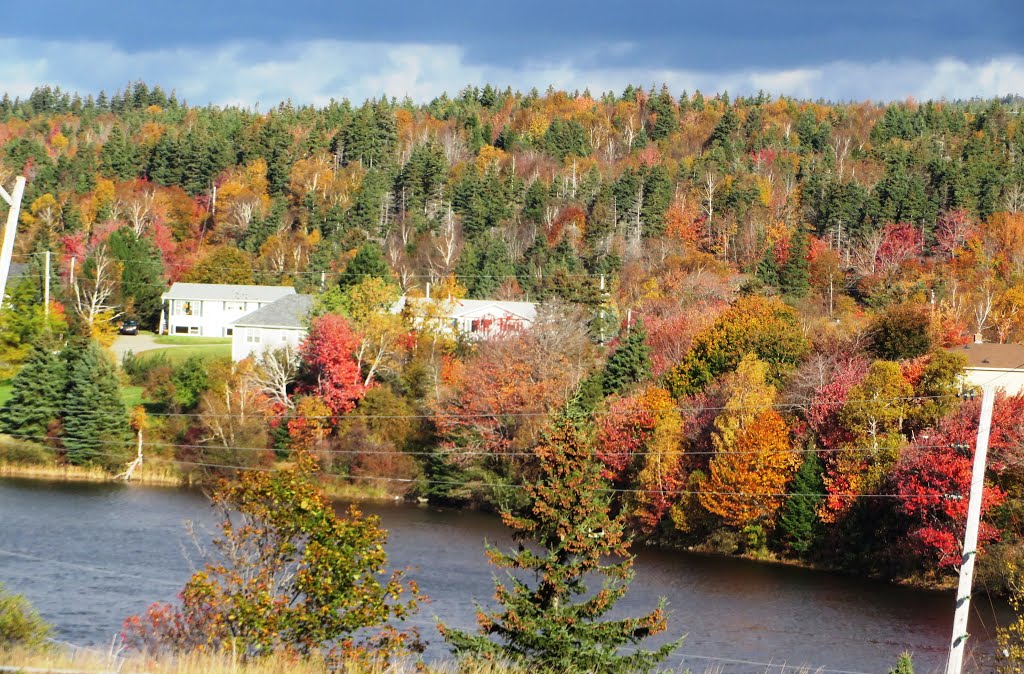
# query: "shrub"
[[24, 452], [20, 625]]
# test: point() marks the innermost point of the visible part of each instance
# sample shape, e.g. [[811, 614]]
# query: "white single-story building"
[[473, 318], [278, 324], [207, 309], [999, 365]]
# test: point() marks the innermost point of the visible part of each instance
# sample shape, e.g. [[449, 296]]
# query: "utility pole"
[[7, 249], [970, 549], [46, 285]]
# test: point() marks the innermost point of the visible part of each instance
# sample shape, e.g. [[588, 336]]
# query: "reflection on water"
[[111, 550]]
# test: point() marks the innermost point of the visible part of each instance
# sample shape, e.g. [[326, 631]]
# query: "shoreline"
[[159, 473]]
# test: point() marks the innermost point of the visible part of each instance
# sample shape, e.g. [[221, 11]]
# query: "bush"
[[138, 368], [902, 332], [24, 453], [20, 625]]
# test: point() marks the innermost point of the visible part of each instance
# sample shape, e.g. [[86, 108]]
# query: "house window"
[[228, 332], [252, 335], [181, 329], [186, 308], [234, 306]]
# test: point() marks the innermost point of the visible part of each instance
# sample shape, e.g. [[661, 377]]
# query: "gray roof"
[[288, 312], [223, 291]]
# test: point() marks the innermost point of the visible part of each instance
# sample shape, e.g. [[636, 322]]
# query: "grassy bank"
[[95, 662], [153, 473], [86, 661], [187, 340]]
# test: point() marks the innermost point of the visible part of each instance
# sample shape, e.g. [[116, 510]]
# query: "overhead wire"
[[473, 453]]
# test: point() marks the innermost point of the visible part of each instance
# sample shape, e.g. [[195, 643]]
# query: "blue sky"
[[262, 52]]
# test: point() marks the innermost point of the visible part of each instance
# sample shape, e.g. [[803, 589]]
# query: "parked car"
[[129, 328]]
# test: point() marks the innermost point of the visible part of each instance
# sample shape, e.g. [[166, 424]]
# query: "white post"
[[72, 271], [7, 250], [323, 280], [46, 286], [963, 592]]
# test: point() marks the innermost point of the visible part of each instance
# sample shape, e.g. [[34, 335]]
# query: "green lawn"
[[132, 396], [5, 392], [176, 354], [191, 341]]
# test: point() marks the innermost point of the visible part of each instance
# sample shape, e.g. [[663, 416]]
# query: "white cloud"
[[251, 73]]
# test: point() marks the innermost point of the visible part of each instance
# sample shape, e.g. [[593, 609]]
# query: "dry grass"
[[88, 661], [152, 473]]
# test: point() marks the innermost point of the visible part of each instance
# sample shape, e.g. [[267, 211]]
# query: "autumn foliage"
[[332, 371]]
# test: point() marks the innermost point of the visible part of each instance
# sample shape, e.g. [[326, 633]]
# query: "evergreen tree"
[[630, 363], [141, 275], [95, 420], [666, 120], [368, 263], [483, 266], [566, 537], [794, 277], [35, 399], [118, 156], [798, 525]]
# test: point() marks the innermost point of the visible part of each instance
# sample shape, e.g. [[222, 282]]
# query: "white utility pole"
[[963, 592], [46, 285], [7, 250]]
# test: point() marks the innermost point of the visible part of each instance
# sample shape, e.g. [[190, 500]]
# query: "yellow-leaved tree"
[[753, 460]]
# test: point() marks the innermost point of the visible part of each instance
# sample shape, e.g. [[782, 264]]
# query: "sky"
[[260, 53]]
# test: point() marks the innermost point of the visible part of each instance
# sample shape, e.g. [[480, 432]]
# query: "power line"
[[497, 454], [492, 415]]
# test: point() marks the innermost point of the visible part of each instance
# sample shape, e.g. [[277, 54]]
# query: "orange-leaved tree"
[[753, 459]]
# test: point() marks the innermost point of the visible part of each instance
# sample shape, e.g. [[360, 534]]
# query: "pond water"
[[88, 555]]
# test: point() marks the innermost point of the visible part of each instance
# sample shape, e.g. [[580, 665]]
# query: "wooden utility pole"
[[963, 593], [7, 249]]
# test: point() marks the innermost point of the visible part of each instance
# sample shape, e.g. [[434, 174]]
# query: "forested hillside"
[[749, 297]]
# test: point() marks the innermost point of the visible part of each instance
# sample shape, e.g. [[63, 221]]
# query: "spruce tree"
[[566, 536], [35, 399], [141, 275], [630, 363], [798, 520], [794, 277], [95, 420], [368, 263]]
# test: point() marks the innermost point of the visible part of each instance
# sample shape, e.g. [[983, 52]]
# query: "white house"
[[207, 309], [278, 324], [473, 318], [1001, 365]]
